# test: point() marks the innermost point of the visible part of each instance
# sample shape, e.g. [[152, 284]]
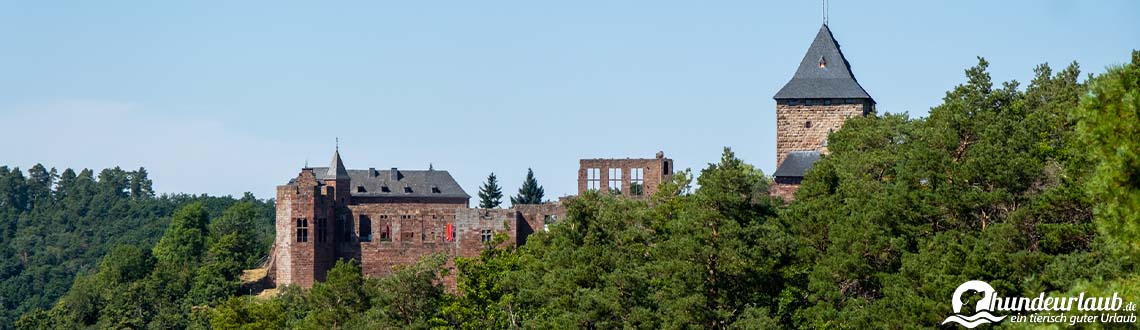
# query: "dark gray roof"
[[336, 169], [796, 163], [420, 182], [834, 80]]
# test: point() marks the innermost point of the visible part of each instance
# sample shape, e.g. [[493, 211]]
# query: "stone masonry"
[[805, 124], [385, 219], [648, 173]]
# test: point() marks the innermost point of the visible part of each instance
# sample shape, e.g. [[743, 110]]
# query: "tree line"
[[1031, 189], [57, 225]]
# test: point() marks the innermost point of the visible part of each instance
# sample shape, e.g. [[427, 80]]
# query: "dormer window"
[[822, 62], [435, 190], [385, 189], [360, 189], [407, 189]]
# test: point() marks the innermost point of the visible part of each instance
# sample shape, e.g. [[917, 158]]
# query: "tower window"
[[386, 234], [302, 230], [822, 62], [485, 235], [807, 124], [593, 178], [615, 180]]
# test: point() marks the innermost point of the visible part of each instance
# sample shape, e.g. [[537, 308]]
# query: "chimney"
[[395, 174]]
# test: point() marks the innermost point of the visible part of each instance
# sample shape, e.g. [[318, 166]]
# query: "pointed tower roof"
[[823, 73], [336, 169]]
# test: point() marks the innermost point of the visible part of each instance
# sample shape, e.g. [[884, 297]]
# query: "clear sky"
[[236, 96]]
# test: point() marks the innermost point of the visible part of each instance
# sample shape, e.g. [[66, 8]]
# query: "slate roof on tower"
[[336, 169], [796, 164], [823, 73]]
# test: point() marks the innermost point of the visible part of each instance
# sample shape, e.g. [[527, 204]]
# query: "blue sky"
[[236, 96]]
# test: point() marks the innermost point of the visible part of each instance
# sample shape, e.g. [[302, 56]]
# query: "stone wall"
[[413, 230], [656, 171], [297, 262], [785, 188], [534, 218], [792, 123]]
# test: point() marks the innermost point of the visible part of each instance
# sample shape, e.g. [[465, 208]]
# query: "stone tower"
[[815, 102], [304, 249]]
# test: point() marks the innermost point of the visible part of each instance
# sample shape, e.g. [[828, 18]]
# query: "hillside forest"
[[1033, 188]]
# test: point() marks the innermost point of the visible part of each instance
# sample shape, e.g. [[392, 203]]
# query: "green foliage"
[[1109, 123], [185, 240], [490, 194], [240, 313], [57, 225], [487, 302], [530, 192], [190, 269], [336, 300], [997, 184], [408, 298]]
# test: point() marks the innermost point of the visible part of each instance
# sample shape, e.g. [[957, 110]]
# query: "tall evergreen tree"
[[530, 192], [140, 184], [1108, 125], [490, 194]]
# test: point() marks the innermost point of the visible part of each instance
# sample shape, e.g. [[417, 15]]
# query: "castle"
[[385, 218]]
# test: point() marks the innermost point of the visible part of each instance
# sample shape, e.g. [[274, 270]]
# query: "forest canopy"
[[1030, 188]]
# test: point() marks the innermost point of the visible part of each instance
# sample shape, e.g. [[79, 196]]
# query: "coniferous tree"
[[140, 184], [490, 194], [1108, 128], [530, 192]]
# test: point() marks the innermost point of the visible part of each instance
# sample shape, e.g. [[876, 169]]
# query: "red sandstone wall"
[[533, 218], [657, 171], [785, 191]]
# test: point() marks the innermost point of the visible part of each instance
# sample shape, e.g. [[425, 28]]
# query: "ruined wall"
[[656, 171], [792, 118], [533, 218]]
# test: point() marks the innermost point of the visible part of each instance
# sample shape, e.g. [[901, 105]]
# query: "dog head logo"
[[981, 309]]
